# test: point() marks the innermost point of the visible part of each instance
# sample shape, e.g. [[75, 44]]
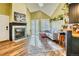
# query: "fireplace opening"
[[17, 31]]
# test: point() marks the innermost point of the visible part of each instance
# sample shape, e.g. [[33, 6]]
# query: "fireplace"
[[17, 31]]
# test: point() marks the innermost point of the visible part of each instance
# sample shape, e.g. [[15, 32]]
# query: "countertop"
[[74, 34]]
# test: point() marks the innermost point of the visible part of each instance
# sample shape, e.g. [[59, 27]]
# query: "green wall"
[[5, 9]]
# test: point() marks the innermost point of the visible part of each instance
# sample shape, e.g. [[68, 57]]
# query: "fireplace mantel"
[[15, 23]]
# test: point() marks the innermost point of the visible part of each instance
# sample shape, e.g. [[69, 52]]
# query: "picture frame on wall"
[[19, 17]]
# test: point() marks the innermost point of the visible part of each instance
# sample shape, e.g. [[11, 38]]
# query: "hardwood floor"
[[9, 48]]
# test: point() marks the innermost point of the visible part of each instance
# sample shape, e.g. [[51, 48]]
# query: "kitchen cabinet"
[[69, 43], [72, 45], [75, 46], [74, 13]]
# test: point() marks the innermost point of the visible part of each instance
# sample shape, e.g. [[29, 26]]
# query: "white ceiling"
[[47, 8]]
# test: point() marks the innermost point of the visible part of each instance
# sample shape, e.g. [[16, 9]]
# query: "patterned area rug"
[[54, 51]]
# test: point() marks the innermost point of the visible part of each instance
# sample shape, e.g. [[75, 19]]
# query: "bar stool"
[[44, 39], [61, 39]]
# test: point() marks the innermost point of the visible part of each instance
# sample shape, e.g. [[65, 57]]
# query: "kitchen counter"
[[74, 34]]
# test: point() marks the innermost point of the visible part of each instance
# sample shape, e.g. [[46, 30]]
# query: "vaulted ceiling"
[[48, 8]]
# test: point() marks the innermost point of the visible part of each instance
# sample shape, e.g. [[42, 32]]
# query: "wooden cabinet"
[[75, 46], [72, 45], [69, 43], [74, 13]]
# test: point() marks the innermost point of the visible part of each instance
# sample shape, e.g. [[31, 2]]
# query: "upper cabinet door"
[[74, 13], [4, 27]]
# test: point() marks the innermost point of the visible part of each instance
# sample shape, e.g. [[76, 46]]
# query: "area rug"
[[55, 51]]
